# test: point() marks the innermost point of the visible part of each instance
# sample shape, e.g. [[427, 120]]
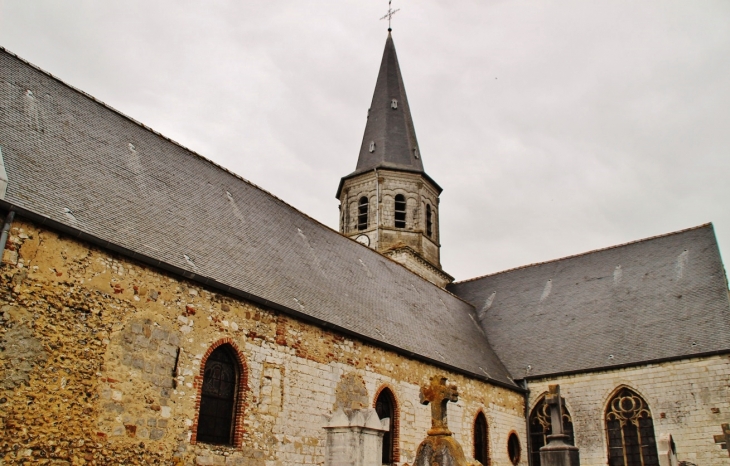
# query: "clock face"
[[363, 239]]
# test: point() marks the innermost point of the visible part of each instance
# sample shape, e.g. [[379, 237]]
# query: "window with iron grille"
[[400, 211], [362, 213], [216, 418], [541, 427], [630, 431]]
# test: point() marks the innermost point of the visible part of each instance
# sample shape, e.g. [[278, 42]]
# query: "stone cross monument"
[[440, 448], [438, 394], [557, 452]]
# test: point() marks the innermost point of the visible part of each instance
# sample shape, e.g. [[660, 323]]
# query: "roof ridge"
[[592, 251]]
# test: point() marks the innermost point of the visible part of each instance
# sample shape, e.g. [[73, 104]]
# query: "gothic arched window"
[[362, 213], [481, 437], [429, 220], [541, 427], [630, 431], [400, 211], [218, 398], [385, 407]]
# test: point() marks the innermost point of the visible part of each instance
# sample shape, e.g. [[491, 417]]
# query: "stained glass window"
[[630, 431], [218, 398]]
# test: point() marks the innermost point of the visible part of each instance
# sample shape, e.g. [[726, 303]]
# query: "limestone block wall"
[[688, 399], [101, 359]]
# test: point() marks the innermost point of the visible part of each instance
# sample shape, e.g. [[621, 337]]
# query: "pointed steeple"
[[390, 138], [389, 203]]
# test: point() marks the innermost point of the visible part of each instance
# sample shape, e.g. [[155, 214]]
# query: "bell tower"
[[389, 203]]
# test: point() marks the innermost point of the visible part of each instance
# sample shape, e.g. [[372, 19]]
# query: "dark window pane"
[[480, 439], [630, 431], [217, 401], [384, 407], [429, 222], [400, 211]]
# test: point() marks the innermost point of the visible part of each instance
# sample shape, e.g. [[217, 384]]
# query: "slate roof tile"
[[660, 298]]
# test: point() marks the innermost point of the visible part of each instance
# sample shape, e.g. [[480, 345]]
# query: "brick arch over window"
[[630, 430], [391, 449], [540, 425], [239, 395], [480, 436]]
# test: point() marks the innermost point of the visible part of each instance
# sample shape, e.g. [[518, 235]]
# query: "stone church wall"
[[100, 361], [688, 399]]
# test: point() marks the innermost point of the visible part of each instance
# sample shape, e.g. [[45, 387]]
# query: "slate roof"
[[82, 167], [661, 298], [391, 129]]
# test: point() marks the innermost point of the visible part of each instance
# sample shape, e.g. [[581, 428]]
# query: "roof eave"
[[207, 281], [436, 186]]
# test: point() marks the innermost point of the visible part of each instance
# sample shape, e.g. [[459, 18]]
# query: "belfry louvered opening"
[[362, 213], [400, 211]]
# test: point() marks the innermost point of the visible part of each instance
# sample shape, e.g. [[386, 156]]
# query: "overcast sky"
[[554, 128]]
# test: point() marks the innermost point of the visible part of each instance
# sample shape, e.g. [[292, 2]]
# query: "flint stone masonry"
[[20, 351], [112, 387], [687, 399]]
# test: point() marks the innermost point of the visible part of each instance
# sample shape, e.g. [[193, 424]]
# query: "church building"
[[156, 308]]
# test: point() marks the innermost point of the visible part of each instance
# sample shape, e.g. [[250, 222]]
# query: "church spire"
[[389, 203], [390, 138]]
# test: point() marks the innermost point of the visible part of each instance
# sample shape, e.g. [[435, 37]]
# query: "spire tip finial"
[[390, 14]]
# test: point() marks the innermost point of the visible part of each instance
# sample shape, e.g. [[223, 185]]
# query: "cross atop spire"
[[390, 14]]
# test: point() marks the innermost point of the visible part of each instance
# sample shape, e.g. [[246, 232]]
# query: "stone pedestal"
[[667, 450], [441, 450], [355, 439], [558, 452]]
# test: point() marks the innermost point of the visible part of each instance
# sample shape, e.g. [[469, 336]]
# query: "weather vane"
[[390, 14]]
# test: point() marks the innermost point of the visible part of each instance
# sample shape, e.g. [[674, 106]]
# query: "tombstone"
[[667, 450], [355, 439], [557, 452], [440, 448]]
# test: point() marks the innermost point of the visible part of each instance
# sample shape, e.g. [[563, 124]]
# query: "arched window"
[[400, 211], [630, 431], [362, 213], [385, 407], [541, 427], [514, 450], [218, 398], [429, 220], [481, 436]]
